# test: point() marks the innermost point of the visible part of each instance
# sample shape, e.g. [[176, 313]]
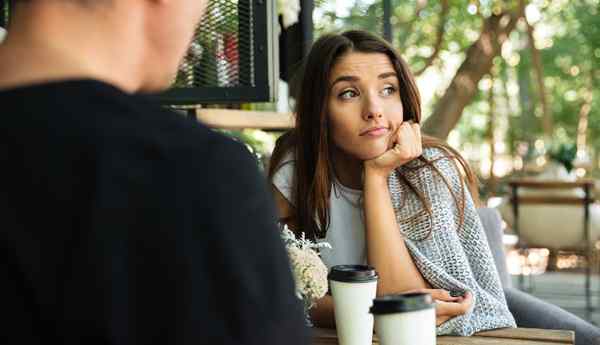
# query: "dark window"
[[232, 58]]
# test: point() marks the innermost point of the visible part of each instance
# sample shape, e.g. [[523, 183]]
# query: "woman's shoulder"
[[283, 176], [287, 163], [435, 160], [432, 155], [436, 152]]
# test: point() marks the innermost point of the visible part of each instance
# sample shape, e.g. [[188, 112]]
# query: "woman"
[[356, 172]]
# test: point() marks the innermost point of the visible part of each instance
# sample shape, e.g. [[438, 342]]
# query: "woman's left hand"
[[446, 305], [405, 145]]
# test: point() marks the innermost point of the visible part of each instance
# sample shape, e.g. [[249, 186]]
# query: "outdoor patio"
[[566, 290], [501, 82]]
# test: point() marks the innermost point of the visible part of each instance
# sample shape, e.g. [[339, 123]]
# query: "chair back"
[[554, 214], [492, 225]]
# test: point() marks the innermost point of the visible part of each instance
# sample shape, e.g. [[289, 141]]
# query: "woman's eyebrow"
[[350, 78], [387, 75]]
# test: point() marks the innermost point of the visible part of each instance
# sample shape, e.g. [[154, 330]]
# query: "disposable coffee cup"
[[407, 319], [353, 288]]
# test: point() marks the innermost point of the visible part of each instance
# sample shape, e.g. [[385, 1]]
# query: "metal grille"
[[4, 8], [232, 57], [221, 52]]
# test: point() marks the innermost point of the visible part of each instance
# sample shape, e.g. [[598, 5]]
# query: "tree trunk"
[[582, 125], [547, 121], [478, 62], [493, 183], [439, 38]]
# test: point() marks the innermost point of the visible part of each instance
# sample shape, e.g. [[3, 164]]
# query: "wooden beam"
[[552, 200], [544, 184], [241, 119]]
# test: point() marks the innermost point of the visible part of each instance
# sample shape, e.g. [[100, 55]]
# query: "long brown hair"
[[309, 141]]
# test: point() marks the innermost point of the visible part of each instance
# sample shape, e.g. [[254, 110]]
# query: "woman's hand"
[[447, 306], [404, 146]]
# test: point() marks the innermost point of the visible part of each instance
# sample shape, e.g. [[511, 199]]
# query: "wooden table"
[[505, 336]]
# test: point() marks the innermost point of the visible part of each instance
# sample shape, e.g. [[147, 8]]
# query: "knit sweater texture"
[[450, 254]]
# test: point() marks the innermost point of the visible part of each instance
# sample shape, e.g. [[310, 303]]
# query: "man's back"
[[125, 224]]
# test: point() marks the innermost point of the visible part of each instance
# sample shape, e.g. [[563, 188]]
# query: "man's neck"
[[42, 46]]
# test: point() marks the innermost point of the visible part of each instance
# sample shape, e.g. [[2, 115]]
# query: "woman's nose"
[[373, 109]]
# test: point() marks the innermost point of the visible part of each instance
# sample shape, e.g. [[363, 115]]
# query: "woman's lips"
[[375, 132]]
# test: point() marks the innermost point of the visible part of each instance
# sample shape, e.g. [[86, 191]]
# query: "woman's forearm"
[[386, 250], [322, 314]]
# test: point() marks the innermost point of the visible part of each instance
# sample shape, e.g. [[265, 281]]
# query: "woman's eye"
[[389, 91], [347, 94]]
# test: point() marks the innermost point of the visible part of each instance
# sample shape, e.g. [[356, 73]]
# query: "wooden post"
[[492, 135]]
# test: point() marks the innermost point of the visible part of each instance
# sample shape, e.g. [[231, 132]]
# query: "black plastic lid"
[[391, 304], [352, 273]]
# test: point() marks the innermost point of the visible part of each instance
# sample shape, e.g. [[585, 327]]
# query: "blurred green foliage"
[[567, 34], [564, 154]]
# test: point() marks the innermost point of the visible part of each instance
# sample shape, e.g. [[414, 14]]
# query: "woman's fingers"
[[404, 145], [408, 141], [438, 294], [441, 295], [454, 308], [447, 306], [441, 319], [418, 139], [393, 139]]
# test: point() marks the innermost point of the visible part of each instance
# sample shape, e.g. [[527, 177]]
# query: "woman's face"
[[364, 104]]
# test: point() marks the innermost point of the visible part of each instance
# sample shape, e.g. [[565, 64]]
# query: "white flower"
[[310, 274], [309, 271]]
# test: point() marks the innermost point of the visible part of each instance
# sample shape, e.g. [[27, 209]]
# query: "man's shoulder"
[[148, 122], [199, 147], [102, 119]]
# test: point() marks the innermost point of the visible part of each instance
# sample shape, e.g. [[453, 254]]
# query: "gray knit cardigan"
[[449, 255]]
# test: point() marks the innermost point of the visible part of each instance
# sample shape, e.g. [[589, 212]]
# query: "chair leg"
[[522, 282], [588, 295], [531, 284], [523, 251]]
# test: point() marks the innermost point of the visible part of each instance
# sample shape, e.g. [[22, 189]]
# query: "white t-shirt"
[[346, 232]]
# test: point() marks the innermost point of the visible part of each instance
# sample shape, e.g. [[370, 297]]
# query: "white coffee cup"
[[407, 319], [353, 288]]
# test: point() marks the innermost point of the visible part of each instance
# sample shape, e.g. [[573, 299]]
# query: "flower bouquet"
[[310, 274]]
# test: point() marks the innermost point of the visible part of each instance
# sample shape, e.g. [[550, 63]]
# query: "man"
[[122, 223]]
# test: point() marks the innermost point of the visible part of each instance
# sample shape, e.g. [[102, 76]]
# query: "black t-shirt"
[[124, 223]]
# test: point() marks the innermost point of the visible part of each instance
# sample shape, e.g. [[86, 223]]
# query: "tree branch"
[[584, 112], [438, 39], [419, 6], [478, 62], [547, 122]]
